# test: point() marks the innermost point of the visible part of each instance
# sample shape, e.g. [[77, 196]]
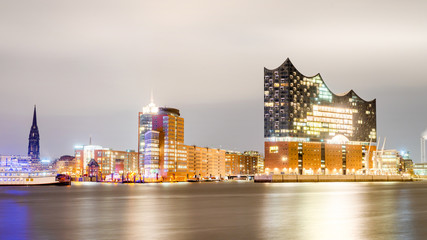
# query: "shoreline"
[[332, 178]]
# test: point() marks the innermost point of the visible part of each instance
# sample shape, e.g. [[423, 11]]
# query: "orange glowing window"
[[274, 149]]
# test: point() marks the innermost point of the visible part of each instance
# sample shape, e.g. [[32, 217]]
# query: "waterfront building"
[[203, 162], [247, 163], [408, 166], [119, 164], [232, 163], [145, 124], [197, 161], [174, 165], [164, 157], [83, 155], [386, 161], [420, 169], [152, 155], [172, 161], [255, 162], [310, 130], [93, 169], [191, 161], [66, 165], [34, 139], [216, 163]]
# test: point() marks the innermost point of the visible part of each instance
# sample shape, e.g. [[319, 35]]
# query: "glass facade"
[[152, 154], [303, 109], [145, 125]]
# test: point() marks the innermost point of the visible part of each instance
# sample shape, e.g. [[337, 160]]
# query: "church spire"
[[34, 117], [34, 139]]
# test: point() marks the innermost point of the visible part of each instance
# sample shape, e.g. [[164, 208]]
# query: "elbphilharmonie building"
[[303, 112]]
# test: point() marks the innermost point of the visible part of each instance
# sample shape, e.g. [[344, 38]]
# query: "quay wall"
[[331, 178]]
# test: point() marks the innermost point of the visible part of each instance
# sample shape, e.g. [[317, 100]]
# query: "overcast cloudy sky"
[[90, 65]]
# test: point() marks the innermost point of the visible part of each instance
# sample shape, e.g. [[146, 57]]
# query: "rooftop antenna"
[[151, 96], [90, 140]]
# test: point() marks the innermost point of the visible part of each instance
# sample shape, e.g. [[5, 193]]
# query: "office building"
[[171, 164], [246, 163], [66, 165], [203, 162], [112, 163], [420, 169], [386, 161], [152, 155]]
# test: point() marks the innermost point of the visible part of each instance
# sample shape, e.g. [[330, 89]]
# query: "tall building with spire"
[[161, 143], [34, 139]]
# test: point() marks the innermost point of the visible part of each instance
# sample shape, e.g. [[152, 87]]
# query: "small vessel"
[[63, 179], [211, 179], [193, 180], [10, 176]]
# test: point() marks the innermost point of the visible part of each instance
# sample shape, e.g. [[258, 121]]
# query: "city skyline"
[[84, 86]]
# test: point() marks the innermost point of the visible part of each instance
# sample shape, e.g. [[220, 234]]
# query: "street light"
[[284, 159]]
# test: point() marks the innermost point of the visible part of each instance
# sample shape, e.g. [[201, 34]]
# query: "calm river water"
[[215, 211]]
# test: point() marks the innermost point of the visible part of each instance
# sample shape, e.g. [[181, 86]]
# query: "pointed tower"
[[34, 139]]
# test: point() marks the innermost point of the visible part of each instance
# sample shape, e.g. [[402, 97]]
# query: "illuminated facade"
[[65, 165], [249, 163], [216, 163], [171, 163], [203, 162], [174, 154], [386, 161], [303, 109], [197, 161], [83, 155], [145, 123], [152, 154], [111, 162], [310, 130], [15, 160], [420, 169]]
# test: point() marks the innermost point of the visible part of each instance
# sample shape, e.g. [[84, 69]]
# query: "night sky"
[[90, 66]]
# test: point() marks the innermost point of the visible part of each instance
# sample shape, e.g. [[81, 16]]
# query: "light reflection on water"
[[215, 211]]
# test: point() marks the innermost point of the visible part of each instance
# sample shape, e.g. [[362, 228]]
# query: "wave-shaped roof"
[[288, 65]]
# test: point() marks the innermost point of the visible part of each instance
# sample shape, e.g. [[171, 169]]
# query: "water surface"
[[215, 211]]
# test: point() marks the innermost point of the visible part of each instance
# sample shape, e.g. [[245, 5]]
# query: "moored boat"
[[63, 179], [27, 177], [193, 180]]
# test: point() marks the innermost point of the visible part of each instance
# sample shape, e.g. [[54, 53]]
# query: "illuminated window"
[[274, 149]]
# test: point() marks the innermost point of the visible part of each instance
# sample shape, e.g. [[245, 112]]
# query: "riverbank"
[[290, 178], [332, 178]]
